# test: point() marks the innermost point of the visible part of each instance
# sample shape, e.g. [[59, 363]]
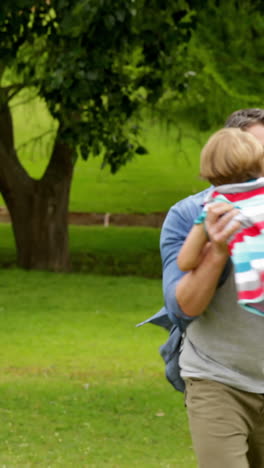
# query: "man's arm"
[[191, 299], [177, 225]]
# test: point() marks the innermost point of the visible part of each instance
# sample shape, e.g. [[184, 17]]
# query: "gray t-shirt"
[[226, 343]]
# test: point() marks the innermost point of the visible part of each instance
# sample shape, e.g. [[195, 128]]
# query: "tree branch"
[[12, 90], [11, 170], [61, 161], [2, 70]]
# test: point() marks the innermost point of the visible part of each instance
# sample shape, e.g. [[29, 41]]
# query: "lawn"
[[99, 250], [152, 182], [80, 385]]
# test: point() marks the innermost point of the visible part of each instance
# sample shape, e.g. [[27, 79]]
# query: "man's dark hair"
[[245, 118]]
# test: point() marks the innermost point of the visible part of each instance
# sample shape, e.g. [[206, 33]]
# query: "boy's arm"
[[188, 294], [191, 252], [196, 289]]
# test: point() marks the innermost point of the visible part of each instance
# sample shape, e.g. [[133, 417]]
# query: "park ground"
[[80, 384]]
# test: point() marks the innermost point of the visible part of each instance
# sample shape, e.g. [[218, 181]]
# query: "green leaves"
[[141, 150], [96, 63], [225, 57]]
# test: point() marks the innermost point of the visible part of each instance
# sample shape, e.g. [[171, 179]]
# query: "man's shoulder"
[[182, 214], [194, 201]]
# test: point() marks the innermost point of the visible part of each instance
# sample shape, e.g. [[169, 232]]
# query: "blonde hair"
[[231, 155]]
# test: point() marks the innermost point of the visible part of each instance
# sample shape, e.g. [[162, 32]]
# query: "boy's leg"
[[221, 421]]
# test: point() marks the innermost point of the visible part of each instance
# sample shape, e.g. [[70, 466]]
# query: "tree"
[[95, 63], [224, 61]]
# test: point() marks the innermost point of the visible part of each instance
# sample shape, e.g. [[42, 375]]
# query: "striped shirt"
[[246, 246]]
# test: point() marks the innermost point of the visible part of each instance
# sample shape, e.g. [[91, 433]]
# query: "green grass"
[[116, 250], [80, 385], [152, 182], [98, 250]]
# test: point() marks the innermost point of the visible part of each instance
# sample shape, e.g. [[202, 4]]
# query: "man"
[[222, 360]]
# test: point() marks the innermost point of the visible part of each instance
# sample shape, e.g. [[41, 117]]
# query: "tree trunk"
[[38, 208], [40, 225]]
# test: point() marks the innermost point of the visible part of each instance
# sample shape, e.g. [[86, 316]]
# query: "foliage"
[[96, 63], [224, 61]]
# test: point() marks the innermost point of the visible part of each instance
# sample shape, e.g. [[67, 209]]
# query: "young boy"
[[233, 161]]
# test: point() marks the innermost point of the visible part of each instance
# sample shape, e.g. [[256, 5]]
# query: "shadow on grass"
[[117, 251]]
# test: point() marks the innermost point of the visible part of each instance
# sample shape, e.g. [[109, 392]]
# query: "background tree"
[[95, 63], [224, 63]]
